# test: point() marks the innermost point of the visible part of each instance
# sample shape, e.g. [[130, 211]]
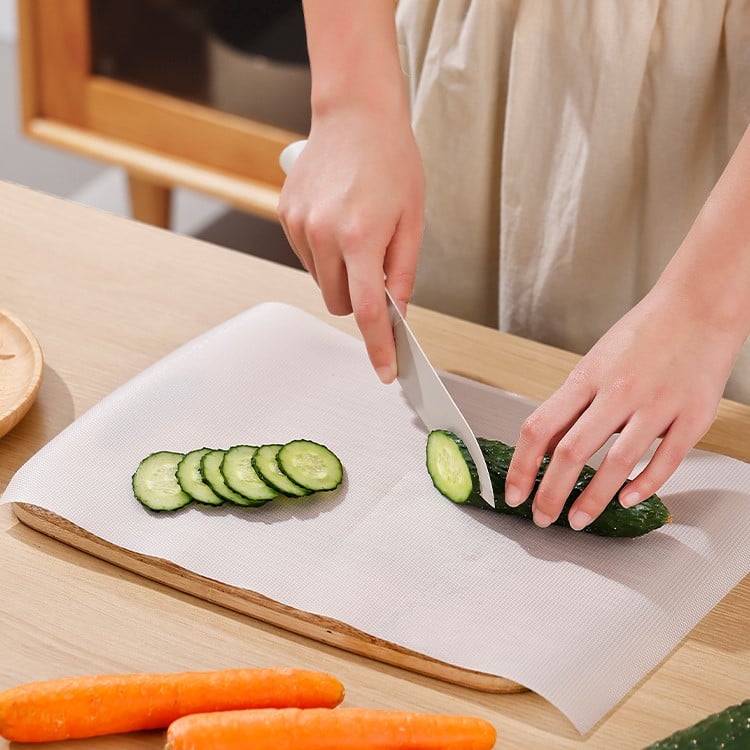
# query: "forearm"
[[712, 266], [354, 57]]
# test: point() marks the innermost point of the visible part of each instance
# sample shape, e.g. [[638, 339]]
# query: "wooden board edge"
[[319, 628]]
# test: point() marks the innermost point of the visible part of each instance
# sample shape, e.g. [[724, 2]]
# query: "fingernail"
[[386, 374], [630, 499], [513, 496], [542, 519], [579, 520]]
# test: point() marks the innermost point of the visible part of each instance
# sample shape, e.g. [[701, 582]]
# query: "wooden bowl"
[[21, 364]]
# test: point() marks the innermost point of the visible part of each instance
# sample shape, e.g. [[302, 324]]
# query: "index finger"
[[539, 432], [367, 294]]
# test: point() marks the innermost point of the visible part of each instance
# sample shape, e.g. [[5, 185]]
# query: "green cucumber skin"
[[729, 728], [614, 520], [298, 490]]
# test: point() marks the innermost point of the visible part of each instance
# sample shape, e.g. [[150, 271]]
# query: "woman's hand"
[[659, 372], [352, 208]]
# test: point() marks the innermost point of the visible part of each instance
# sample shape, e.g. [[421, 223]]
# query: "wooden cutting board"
[[323, 629]]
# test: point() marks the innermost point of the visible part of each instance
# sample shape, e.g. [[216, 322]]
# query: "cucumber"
[[310, 465], [451, 466], [211, 473], [462, 486], [243, 474], [190, 479], [240, 476], [727, 729], [265, 465], [155, 483]]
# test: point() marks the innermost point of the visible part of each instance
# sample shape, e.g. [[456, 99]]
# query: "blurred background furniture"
[[200, 94]]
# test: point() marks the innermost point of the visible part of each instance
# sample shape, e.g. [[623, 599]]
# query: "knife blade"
[[420, 382], [428, 396]]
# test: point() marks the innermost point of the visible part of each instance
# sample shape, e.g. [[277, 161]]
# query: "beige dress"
[[568, 147]]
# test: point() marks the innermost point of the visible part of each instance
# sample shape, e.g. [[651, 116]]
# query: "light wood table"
[[106, 298]]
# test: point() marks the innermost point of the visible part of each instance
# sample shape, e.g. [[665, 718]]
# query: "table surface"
[[106, 297]]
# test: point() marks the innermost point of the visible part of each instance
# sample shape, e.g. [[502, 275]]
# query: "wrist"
[[380, 96], [354, 59], [711, 269]]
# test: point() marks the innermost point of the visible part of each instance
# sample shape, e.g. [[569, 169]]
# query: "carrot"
[[329, 729], [94, 705]]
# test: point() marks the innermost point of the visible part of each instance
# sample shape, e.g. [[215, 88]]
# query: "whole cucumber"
[[728, 729], [614, 520]]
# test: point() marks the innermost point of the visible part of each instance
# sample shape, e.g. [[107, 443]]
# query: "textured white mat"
[[563, 613]]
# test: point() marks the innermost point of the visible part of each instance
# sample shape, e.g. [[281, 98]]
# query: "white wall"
[[7, 20]]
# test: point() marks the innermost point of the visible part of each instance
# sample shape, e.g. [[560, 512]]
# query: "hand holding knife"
[[420, 382]]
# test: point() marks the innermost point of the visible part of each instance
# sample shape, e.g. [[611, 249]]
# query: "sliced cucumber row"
[[246, 475]]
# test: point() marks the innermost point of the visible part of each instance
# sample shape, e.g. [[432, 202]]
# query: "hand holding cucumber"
[[659, 372]]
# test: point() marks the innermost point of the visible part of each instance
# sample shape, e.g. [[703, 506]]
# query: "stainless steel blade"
[[430, 398]]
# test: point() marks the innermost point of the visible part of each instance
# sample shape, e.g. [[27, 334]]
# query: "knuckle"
[[532, 431], [291, 218], [581, 375], [352, 237], [665, 462], [366, 312], [319, 227], [621, 456], [622, 389], [570, 450]]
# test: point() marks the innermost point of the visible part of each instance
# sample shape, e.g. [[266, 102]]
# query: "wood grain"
[[149, 201], [247, 194], [190, 131], [157, 138], [61, 48], [92, 288], [324, 629], [21, 363]]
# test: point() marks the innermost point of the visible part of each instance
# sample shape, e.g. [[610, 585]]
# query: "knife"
[[422, 386]]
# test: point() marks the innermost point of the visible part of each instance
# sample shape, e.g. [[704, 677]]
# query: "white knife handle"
[[290, 155]]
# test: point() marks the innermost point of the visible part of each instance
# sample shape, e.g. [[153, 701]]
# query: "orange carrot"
[[94, 705], [329, 729]]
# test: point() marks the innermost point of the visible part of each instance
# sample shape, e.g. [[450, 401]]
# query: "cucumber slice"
[[450, 466], [211, 473], [240, 476], [155, 483], [265, 464], [310, 465], [190, 479]]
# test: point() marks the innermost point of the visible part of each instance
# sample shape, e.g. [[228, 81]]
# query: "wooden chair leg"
[[149, 202]]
